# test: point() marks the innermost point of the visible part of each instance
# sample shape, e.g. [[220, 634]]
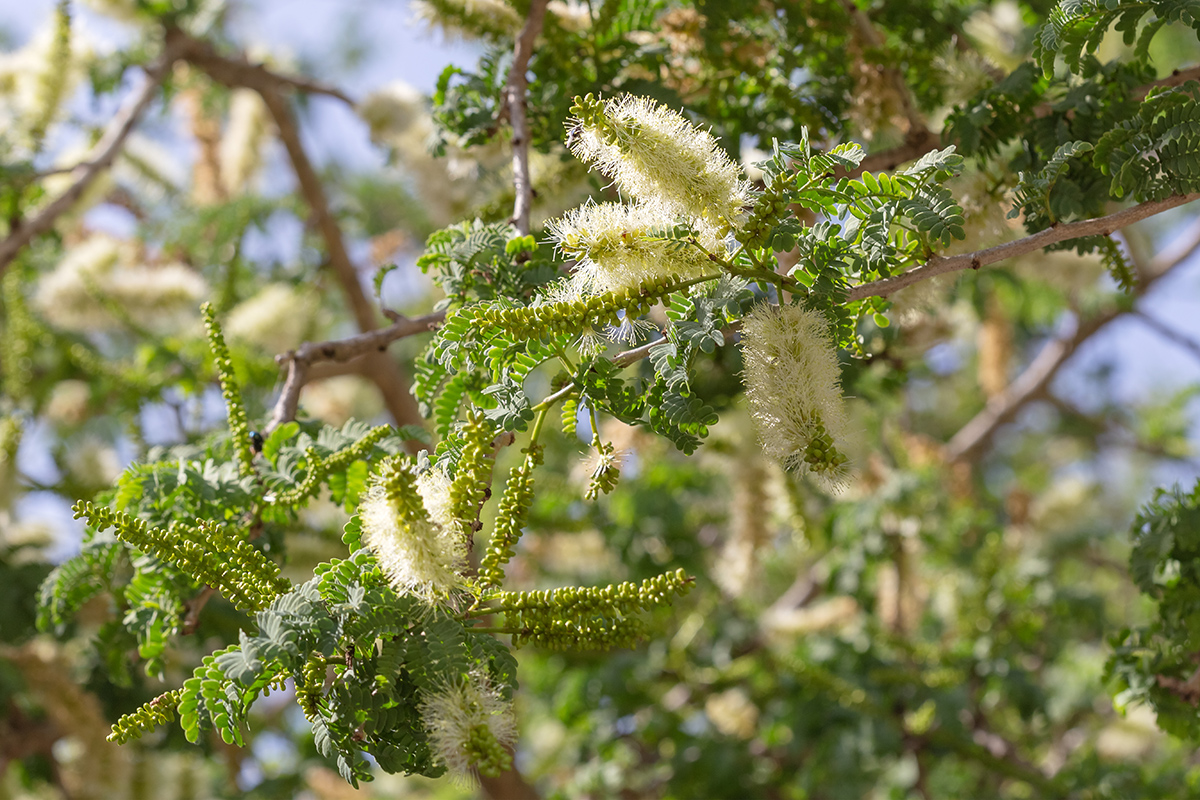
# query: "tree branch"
[[101, 158], [340, 350], [1029, 385], [1034, 381], [940, 265], [1170, 334], [514, 103], [240, 71], [388, 376]]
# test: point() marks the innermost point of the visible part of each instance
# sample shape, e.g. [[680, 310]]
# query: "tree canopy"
[[702, 398]]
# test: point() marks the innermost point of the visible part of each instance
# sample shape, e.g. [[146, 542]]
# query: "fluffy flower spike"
[[416, 553], [471, 727], [617, 247], [653, 152], [793, 388]]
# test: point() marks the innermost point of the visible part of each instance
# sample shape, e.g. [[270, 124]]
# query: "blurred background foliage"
[[956, 624]]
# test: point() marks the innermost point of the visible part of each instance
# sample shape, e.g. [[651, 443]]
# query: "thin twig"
[[515, 102], [339, 350], [627, 357], [240, 71], [101, 158], [940, 265], [1168, 333]]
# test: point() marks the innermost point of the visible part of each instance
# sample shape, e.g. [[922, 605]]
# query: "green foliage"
[[1154, 664], [1155, 153], [1034, 192], [480, 261], [1076, 27], [938, 630]]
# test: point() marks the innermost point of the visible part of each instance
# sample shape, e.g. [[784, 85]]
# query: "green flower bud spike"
[[239, 427]]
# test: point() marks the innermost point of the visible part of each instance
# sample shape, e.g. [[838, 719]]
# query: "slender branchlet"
[[206, 551], [793, 388], [417, 555], [146, 718], [239, 427], [654, 153], [320, 468], [471, 726], [510, 519]]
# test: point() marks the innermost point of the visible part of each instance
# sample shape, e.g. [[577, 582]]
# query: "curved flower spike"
[[793, 388], [654, 153], [471, 727], [416, 553]]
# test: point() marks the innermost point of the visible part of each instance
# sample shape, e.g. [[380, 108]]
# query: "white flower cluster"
[[246, 134], [38, 79], [673, 172], [417, 553], [449, 186], [72, 296], [457, 716], [617, 247], [654, 154], [793, 389], [572, 15], [279, 317]]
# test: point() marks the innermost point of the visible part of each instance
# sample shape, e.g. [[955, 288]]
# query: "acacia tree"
[[683, 491]]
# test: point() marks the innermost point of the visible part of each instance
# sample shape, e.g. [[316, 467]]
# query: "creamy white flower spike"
[[160, 297], [434, 487], [653, 152], [392, 110], [279, 317], [616, 250], [417, 555], [572, 15], [793, 389], [37, 80], [470, 726], [241, 152]]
